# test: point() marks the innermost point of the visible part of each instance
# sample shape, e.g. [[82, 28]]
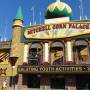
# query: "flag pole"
[[40, 17], [30, 24], [5, 39], [81, 9], [33, 13], [80, 12]]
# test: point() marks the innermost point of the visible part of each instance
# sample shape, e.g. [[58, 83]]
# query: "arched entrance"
[[58, 84], [33, 81], [57, 53], [35, 54], [81, 52], [83, 84]]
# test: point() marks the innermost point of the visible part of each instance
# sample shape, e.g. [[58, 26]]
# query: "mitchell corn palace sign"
[[60, 30]]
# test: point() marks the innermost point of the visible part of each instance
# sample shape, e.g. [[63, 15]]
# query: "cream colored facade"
[[49, 53], [45, 64]]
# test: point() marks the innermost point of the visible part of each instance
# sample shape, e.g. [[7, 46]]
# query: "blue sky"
[[8, 9]]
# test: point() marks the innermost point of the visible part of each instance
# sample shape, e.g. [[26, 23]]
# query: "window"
[[35, 53], [57, 53], [81, 52]]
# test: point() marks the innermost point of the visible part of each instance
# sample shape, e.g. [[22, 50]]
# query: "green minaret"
[[16, 46], [18, 19], [19, 15]]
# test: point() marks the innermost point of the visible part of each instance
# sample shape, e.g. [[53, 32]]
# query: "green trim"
[[57, 13], [19, 15]]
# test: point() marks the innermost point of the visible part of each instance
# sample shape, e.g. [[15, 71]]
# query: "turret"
[[18, 19], [16, 53]]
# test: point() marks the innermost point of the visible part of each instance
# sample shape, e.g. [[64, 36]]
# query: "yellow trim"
[[51, 7], [58, 37], [61, 6], [68, 9], [17, 22], [5, 62]]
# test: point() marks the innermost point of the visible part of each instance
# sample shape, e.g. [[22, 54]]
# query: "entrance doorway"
[[33, 81], [83, 83], [58, 84]]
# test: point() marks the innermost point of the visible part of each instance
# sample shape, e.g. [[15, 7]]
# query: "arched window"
[[57, 53], [35, 53], [81, 52]]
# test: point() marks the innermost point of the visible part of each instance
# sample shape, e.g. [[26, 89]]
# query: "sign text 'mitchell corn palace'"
[[57, 26], [61, 30]]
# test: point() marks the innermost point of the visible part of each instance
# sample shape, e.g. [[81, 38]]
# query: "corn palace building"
[[51, 56]]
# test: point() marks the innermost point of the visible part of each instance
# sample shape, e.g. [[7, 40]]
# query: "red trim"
[[69, 62], [68, 39], [45, 63], [45, 41]]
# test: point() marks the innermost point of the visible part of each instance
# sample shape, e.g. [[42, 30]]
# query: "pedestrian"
[[4, 85]]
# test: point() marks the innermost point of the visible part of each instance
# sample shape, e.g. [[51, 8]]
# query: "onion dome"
[[58, 9]]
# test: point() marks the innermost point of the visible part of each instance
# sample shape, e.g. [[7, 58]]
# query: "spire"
[[19, 14]]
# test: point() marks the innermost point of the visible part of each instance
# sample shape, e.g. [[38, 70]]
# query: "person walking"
[[4, 85]]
